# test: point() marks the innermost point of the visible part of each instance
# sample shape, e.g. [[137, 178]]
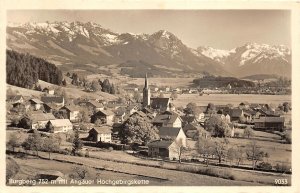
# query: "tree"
[[220, 149], [180, 149], [286, 107], [231, 154], [211, 109], [84, 115], [204, 148], [50, 144], [191, 109], [242, 119], [77, 143], [217, 126], [33, 142], [12, 168], [13, 141], [137, 129], [254, 153], [248, 132], [95, 86], [174, 95], [240, 151], [80, 172]]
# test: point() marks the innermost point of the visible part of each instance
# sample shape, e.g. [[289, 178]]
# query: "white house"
[[176, 134], [60, 125], [36, 104], [102, 133]]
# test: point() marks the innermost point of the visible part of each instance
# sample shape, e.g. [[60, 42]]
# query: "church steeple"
[[146, 93], [146, 81]]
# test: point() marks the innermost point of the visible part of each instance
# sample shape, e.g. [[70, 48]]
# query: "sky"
[[221, 29]]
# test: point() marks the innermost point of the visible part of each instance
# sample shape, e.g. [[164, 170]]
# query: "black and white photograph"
[[148, 97]]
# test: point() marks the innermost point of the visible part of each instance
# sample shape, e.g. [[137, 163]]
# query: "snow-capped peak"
[[215, 54]]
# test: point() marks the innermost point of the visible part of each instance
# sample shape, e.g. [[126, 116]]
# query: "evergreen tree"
[[77, 143]]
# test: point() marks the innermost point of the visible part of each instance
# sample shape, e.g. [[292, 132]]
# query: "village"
[[153, 130]]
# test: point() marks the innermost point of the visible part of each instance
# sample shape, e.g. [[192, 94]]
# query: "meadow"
[[235, 99]]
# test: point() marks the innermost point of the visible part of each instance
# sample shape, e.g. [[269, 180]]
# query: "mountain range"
[[91, 47]]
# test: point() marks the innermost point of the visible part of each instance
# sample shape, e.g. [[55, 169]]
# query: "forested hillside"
[[218, 81], [24, 70]]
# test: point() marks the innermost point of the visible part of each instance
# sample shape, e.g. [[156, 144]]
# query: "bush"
[[283, 168], [264, 166], [220, 173]]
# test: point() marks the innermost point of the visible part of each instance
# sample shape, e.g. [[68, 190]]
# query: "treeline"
[[24, 70], [104, 86], [219, 81]]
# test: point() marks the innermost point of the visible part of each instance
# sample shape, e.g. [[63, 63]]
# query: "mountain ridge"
[[76, 44]]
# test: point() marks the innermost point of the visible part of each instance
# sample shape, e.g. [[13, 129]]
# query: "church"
[[159, 104]]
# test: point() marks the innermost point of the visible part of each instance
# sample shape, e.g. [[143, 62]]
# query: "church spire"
[[146, 81], [146, 93]]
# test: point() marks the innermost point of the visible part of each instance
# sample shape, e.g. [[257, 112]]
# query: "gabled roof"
[[60, 122], [166, 118], [147, 110], [51, 106], [52, 99], [192, 126], [95, 104], [36, 101], [168, 132], [101, 129], [158, 103], [35, 117], [13, 97], [160, 143], [70, 108], [269, 120], [105, 112]]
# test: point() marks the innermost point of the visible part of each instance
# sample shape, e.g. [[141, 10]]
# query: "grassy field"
[[235, 99], [31, 165], [167, 82], [70, 90]]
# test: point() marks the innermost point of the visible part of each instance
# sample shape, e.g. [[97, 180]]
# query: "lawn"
[[235, 99], [174, 177]]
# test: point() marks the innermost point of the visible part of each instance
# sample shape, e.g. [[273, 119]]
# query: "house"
[[48, 91], [149, 111], [102, 134], [15, 99], [49, 108], [131, 109], [36, 104], [59, 125], [95, 105], [167, 119], [269, 123], [160, 104], [57, 100], [163, 149], [194, 131], [147, 117], [72, 112], [120, 114], [39, 119], [105, 116], [172, 133], [235, 114]]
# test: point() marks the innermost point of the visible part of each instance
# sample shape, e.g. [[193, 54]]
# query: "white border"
[[157, 4]]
